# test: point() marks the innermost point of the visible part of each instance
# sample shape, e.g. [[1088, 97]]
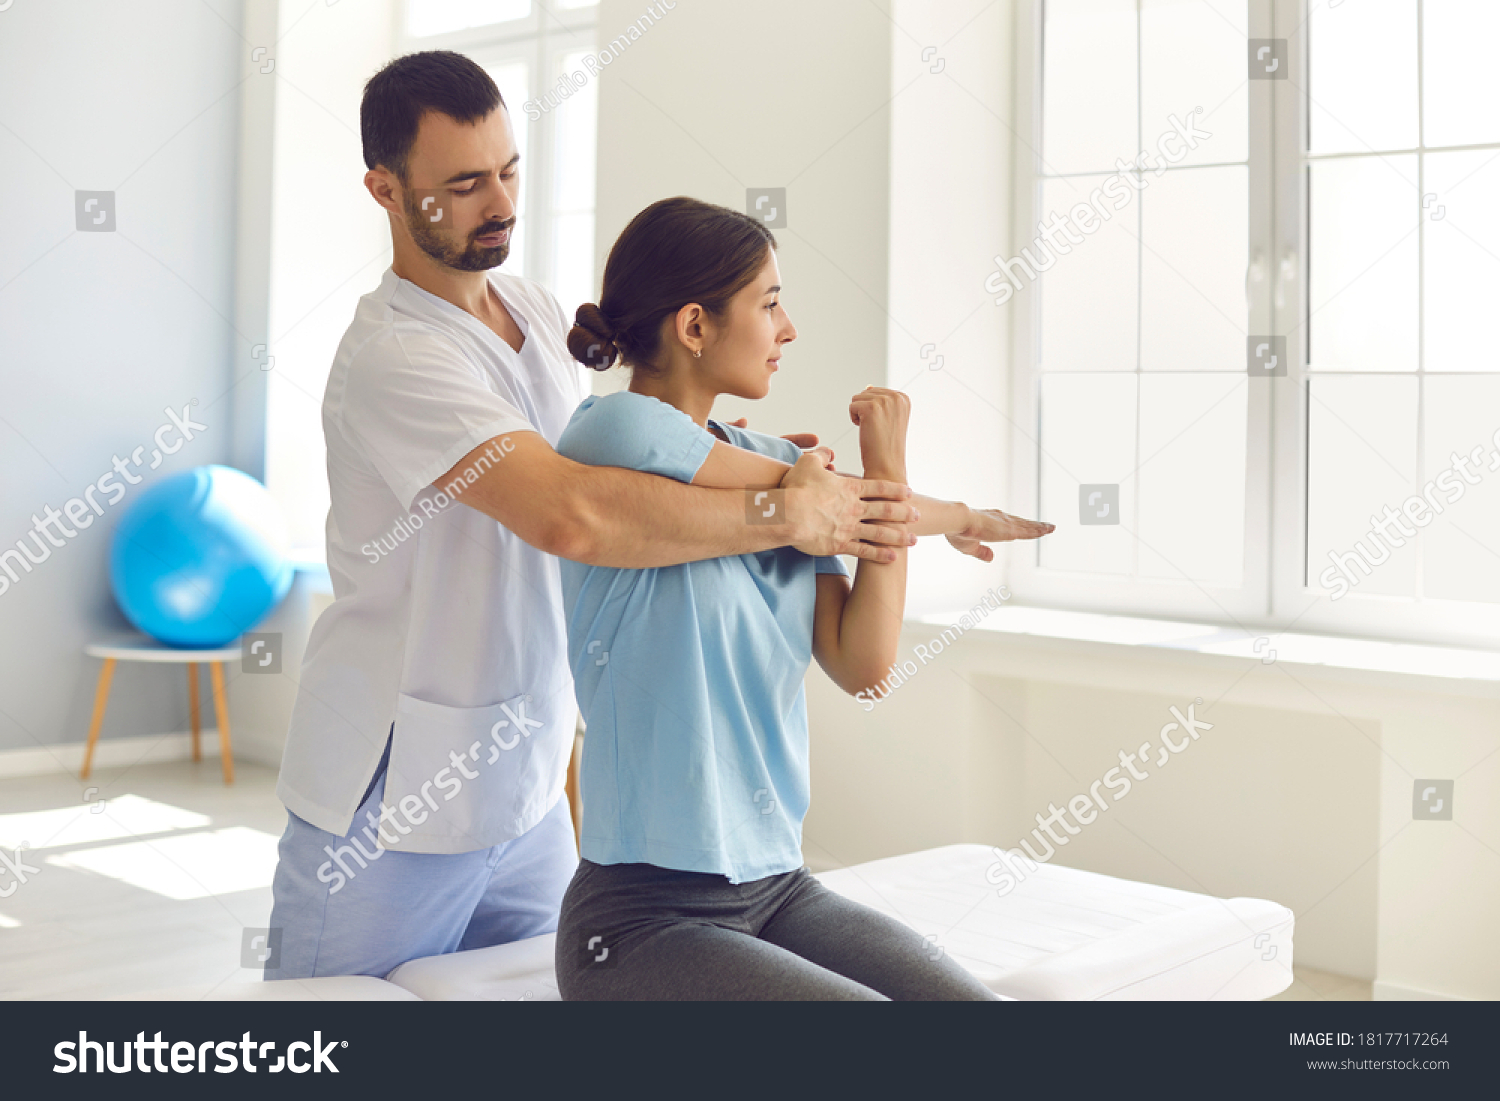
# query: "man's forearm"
[[630, 520]]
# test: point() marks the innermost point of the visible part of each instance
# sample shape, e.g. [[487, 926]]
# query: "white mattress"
[[1060, 935], [1068, 935], [330, 988]]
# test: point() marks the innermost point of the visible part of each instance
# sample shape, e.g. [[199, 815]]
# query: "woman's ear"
[[691, 333]]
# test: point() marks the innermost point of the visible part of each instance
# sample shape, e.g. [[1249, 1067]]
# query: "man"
[[424, 767]]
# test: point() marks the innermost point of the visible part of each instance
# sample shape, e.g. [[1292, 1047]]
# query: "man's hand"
[[990, 525], [804, 440], [837, 515]]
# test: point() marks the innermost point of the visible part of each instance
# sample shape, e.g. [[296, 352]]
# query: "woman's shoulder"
[[774, 446]]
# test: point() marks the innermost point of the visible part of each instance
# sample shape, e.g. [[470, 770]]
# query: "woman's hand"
[[882, 417], [990, 525]]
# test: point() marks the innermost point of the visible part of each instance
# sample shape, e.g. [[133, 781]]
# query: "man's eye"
[[466, 191]]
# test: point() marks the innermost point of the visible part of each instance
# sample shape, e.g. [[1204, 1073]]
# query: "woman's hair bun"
[[592, 338]]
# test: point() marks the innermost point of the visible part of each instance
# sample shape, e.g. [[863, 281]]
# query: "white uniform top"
[[444, 622]]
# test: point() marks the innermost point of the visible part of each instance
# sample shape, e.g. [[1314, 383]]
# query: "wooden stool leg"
[[221, 710], [192, 668], [101, 697]]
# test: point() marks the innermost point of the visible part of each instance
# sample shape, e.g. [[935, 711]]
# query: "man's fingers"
[[891, 510], [868, 551], [891, 491], [886, 535], [804, 440]]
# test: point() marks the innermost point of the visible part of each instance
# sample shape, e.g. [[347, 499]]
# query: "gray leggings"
[[636, 932]]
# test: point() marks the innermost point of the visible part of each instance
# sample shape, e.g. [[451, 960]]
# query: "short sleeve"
[[832, 564], [416, 407], [638, 433]]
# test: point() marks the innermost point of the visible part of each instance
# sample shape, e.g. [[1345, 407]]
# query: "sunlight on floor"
[[99, 820], [194, 865]]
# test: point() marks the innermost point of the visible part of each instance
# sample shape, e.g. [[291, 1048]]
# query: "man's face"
[[460, 198]]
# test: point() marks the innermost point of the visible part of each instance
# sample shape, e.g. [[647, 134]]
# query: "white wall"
[[329, 242], [719, 97], [100, 331]]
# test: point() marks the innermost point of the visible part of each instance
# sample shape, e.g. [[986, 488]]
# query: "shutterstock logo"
[[74, 1057]]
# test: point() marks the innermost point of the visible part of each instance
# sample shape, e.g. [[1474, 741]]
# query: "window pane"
[[577, 125], [1088, 85], [1462, 261], [1459, 71], [1461, 546], [1088, 307], [1361, 457], [573, 259], [1195, 234], [1193, 55], [427, 17], [1192, 476], [1362, 280], [1362, 76], [513, 78], [1088, 437]]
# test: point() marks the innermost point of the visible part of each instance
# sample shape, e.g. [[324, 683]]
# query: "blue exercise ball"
[[200, 558]]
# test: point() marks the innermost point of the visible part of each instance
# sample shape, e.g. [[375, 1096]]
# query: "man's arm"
[[728, 467], [608, 516]]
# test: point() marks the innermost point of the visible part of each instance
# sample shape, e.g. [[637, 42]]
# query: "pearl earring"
[[698, 354]]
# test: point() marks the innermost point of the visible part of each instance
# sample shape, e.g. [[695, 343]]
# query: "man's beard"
[[472, 257]]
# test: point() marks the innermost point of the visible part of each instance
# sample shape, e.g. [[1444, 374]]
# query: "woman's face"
[[745, 342]]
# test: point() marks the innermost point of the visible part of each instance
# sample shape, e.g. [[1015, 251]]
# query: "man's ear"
[[385, 189]]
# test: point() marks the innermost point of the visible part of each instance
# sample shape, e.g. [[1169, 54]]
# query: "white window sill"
[[1412, 659]]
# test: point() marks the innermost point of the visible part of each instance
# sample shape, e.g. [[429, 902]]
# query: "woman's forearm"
[[870, 627]]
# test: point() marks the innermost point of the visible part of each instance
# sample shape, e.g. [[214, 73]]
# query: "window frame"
[[1276, 592], [539, 39]]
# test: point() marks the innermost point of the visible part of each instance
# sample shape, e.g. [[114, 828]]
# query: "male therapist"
[[434, 719]]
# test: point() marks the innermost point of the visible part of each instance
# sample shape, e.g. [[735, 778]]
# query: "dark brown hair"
[[674, 252], [399, 95]]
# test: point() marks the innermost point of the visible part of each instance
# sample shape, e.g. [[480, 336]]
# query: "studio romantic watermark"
[[570, 83], [406, 527], [903, 671]]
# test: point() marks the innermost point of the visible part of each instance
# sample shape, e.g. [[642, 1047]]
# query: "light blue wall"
[[99, 332]]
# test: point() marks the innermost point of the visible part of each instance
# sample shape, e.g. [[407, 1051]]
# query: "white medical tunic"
[[444, 622]]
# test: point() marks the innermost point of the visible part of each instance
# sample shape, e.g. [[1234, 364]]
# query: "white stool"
[[141, 648], [1061, 935]]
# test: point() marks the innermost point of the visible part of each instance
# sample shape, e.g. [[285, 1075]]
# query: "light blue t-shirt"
[[689, 677]]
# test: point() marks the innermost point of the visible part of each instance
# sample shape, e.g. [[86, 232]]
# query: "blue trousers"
[[402, 906]]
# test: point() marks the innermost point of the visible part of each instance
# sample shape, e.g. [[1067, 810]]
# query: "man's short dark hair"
[[399, 95]]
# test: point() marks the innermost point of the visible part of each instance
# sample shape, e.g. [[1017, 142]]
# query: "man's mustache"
[[487, 230]]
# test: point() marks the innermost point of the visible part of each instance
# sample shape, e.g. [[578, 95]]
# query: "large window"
[[1255, 253], [538, 52]]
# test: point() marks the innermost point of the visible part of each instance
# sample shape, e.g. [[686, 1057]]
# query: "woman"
[[689, 677]]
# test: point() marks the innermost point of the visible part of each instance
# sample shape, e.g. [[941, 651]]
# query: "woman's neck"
[[677, 391]]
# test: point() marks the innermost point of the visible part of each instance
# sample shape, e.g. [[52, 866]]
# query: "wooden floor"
[[98, 926]]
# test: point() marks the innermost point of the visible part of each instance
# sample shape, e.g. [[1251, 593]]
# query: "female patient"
[[695, 766]]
